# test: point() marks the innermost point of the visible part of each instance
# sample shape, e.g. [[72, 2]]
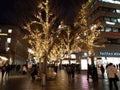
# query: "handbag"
[[116, 78]]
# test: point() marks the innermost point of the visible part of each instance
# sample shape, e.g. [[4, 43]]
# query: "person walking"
[[34, 72], [111, 71], [102, 70], [3, 70], [8, 68]]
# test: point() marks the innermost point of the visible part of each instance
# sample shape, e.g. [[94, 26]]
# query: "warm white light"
[[111, 23], [30, 51], [93, 27], [85, 54], [9, 30], [73, 56], [3, 34], [8, 40], [7, 49]]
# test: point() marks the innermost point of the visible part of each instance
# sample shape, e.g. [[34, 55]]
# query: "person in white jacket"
[[111, 71]]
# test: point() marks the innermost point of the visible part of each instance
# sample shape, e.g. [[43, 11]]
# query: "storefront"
[[103, 56], [109, 54]]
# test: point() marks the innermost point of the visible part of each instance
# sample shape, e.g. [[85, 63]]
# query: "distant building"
[[12, 46], [108, 13]]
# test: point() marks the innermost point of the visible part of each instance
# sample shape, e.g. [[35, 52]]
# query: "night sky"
[[17, 12]]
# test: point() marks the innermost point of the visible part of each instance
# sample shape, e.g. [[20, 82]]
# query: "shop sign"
[[110, 54]]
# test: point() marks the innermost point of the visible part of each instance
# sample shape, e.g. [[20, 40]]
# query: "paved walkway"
[[80, 82]]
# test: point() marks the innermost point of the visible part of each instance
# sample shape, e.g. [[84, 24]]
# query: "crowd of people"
[[71, 69], [7, 69]]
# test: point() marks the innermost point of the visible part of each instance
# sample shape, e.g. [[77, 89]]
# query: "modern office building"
[[12, 47], [108, 13]]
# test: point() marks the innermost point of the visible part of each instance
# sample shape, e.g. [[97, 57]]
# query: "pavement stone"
[[61, 82]]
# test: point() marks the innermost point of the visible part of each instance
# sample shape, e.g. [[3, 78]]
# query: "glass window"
[[113, 20], [107, 19], [118, 11], [108, 29], [115, 29], [113, 11], [118, 20], [9, 30]]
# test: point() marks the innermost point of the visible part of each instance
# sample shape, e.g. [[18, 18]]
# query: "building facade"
[[12, 46], [108, 13]]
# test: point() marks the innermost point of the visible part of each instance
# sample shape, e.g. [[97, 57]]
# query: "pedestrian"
[[111, 71], [8, 68], [102, 70], [95, 73], [69, 71], [89, 72], [34, 72], [73, 71], [3, 70], [24, 69], [55, 68]]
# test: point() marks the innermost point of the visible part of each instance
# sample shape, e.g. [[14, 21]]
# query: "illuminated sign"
[[110, 54]]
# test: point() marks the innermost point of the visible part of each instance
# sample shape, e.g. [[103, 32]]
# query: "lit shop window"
[[113, 20], [84, 64], [8, 40], [9, 30]]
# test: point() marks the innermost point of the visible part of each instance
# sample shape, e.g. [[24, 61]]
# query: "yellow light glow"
[[3, 34]]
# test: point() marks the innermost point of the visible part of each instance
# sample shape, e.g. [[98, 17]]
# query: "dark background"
[[19, 12]]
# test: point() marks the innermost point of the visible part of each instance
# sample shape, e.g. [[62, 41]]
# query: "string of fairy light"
[[41, 39]]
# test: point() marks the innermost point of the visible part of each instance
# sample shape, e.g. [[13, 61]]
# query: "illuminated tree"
[[41, 32], [48, 42], [87, 35]]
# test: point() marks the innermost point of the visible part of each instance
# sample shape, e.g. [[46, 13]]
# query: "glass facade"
[[106, 13]]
